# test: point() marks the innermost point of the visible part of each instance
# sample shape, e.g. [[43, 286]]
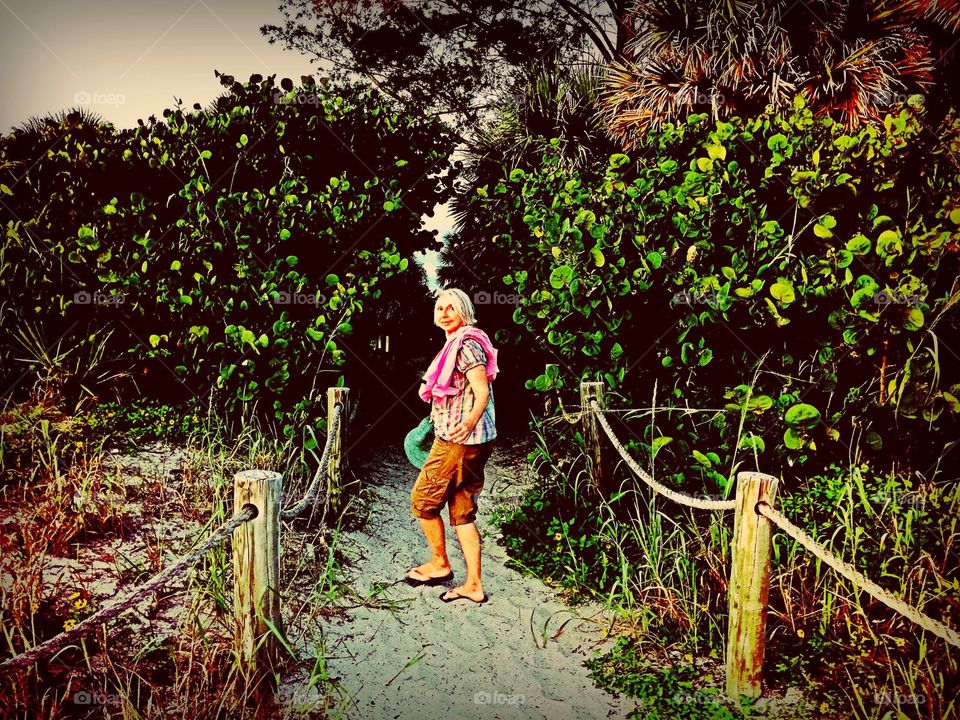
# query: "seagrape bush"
[[231, 249], [799, 279]]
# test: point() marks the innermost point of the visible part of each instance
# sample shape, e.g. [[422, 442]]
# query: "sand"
[[503, 659]]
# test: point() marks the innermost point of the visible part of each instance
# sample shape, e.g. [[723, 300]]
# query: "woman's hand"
[[462, 431]]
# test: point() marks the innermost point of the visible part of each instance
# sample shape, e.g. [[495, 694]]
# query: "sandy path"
[[475, 661]]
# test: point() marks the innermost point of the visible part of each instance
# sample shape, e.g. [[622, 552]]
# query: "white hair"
[[461, 303]]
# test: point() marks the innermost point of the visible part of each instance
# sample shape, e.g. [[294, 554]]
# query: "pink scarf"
[[437, 380]]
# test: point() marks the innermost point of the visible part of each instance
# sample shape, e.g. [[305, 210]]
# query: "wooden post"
[[749, 585], [337, 464], [591, 431], [256, 566]]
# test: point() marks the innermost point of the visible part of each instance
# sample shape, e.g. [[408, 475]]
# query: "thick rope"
[[119, 605], [857, 578], [314, 489], [677, 497]]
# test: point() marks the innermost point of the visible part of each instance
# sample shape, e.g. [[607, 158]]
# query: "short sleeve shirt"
[[448, 414]]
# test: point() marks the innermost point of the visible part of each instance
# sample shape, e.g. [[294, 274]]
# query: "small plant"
[[662, 692]]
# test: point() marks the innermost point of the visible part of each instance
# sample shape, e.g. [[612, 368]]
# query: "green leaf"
[[888, 244], [655, 259], [759, 403], [284, 234], [618, 160], [658, 443], [914, 319], [792, 440], [244, 139], [717, 152], [777, 142], [561, 276], [859, 244], [822, 231], [5, 190], [702, 459], [802, 415], [782, 291]]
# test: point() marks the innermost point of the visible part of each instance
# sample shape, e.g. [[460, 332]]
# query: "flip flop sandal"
[[416, 582], [445, 599]]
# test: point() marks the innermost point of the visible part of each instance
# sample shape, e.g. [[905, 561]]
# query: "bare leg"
[[439, 563], [469, 538]]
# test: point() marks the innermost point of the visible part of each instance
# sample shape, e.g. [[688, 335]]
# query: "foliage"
[[553, 102], [662, 692], [232, 247], [453, 58], [144, 420], [852, 61], [796, 275]]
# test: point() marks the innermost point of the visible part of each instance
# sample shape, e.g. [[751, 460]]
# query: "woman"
[[458, 384]]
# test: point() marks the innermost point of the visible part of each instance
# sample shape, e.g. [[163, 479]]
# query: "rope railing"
[[121, 604], [749, 581], [677, 497], [256, 561], [857, 578], [313, 490], [766, 510]]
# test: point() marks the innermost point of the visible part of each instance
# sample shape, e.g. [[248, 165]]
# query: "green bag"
[[418, 442]]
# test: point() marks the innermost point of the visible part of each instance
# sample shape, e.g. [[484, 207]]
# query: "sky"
[[129, 59]]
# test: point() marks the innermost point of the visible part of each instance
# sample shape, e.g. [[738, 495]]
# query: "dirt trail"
[[504, 659]]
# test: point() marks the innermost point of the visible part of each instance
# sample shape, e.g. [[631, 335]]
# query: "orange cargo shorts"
[[453, 475]]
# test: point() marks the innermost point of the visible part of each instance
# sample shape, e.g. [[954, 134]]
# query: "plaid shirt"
[[447, 415]]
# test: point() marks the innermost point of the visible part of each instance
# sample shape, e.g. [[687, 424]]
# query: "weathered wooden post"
[[591, 431], [256, 566], [749, 585], [338, 462]]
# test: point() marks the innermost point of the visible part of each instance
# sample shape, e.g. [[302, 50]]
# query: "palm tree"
[[851, 59], [553, 105]]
